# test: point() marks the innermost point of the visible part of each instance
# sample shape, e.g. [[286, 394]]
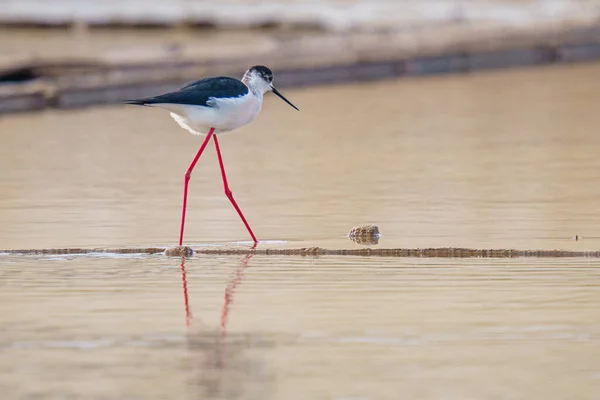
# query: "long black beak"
[[283, 98]]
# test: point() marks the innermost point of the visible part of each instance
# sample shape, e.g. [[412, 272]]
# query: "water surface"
[[502, 160], [493, 160], [297, 328]]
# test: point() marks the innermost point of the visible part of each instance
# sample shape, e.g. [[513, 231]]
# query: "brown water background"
[[491, 160], [500, 160]]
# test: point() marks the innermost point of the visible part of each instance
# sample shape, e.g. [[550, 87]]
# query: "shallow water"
[[503, 160], [493, 160], [297, 328]]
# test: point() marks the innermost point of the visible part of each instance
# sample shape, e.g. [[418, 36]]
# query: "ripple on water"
[[346, 316]]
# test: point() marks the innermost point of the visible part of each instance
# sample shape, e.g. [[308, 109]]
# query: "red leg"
[[188, 173], [228, 192]]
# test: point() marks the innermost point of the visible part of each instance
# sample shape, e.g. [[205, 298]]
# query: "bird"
[[212, 106]]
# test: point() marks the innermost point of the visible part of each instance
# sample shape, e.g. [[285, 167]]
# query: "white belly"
[[225, 114]]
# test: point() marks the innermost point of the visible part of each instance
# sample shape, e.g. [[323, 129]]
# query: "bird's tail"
[[136, 102]]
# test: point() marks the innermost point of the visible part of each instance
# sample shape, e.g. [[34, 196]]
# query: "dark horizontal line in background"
[[80, 93]]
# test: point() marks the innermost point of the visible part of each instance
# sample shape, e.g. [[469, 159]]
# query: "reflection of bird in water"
[[221, 367], [230, 290], [188, 312]]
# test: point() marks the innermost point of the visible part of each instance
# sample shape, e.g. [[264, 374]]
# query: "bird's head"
[[260, 80]]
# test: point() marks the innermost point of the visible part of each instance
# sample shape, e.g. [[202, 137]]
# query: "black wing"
[[198, 93]]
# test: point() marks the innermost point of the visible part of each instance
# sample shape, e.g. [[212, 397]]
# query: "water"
[[493, 160], [296, 328]]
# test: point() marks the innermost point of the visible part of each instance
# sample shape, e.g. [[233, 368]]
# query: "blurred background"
[[446, 123], [109, 174]]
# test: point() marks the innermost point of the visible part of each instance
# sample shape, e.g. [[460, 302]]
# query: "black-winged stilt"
[[216, 105]]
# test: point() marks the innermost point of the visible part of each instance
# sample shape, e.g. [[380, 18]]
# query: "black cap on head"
[[267, 75], [265, 72]]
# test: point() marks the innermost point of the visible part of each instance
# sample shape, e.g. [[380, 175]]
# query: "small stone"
[[179, 251], [366, 230], [367, 234]]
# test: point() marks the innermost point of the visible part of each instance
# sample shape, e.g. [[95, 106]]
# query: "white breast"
[[225, 114]]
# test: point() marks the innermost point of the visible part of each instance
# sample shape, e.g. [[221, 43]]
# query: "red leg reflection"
[[188, 312], [230, 289]]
